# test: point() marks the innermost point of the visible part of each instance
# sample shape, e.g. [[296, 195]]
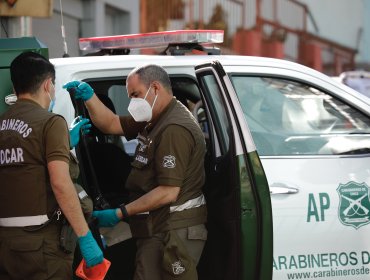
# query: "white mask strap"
[[147, 92], [155, 99]]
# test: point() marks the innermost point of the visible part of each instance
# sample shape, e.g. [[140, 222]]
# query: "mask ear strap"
[[52, 87], [155, 99], [147, 92]]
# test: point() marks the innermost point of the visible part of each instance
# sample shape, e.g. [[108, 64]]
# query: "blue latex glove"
[[90, 250], [106, 218], [78, 124], [83, 90]]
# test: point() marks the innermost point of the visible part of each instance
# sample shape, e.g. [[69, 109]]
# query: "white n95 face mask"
[[140, 109]]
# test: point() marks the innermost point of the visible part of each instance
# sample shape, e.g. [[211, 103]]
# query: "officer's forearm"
[[156, 198], [102, 117], [66, 196]]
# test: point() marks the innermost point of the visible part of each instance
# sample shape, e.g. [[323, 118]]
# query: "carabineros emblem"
[[354, 204]]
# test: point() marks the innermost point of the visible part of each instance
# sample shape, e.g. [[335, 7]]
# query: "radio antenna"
[[65, 48]]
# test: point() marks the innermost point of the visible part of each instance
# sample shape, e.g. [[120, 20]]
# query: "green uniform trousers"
[[170, 255], [33, 255]]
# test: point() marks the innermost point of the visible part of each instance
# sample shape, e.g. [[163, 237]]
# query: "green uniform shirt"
[[171, 153], [30, 137]]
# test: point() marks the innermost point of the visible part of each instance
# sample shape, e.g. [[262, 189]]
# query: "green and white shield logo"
[[354, 204]]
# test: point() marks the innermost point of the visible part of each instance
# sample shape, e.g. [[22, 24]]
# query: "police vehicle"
[[287, 163]]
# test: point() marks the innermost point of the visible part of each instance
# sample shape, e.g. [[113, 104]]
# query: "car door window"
[[118, 95], [291, 118], [217, 108]]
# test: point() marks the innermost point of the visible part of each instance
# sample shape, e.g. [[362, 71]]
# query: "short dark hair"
[[152, 72], [28, 70]]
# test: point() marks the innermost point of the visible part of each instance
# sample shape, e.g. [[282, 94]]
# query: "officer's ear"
[[51, 86], [47, 85], [156, 86]]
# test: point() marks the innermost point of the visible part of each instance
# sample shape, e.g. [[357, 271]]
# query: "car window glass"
[[118, 95], [217, 108], [291, 118]]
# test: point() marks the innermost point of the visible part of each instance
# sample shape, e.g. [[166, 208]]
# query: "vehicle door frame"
[[256, 233]]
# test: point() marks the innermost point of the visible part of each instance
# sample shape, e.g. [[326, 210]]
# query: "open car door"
[[240, 240], [98, 175], [88, 176]]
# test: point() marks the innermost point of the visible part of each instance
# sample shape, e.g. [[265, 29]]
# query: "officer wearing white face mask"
[[140, 109], [36, 187], [167, 209]]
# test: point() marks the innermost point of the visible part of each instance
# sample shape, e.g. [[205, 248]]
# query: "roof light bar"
[[152, 40]]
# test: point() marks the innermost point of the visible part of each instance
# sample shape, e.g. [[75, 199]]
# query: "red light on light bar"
[[151, 40]]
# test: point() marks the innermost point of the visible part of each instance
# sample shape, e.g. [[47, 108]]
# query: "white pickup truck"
[[287, 164]]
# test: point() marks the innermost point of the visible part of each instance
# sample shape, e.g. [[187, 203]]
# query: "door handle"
[[281, 188]]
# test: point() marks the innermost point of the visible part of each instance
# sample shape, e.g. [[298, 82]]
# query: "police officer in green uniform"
[[167, 211], [36, 187], [68, 239]]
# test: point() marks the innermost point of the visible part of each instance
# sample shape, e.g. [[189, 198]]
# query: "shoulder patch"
[[169, 161]]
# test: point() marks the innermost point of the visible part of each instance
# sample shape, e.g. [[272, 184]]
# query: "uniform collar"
[[26, 100], [170, 105]]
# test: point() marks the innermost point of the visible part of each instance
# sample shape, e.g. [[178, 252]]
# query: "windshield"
[[291, 118]]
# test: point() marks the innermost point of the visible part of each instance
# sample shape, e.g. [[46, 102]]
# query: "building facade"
[[85, 18], [328, 37], [331, 37]]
